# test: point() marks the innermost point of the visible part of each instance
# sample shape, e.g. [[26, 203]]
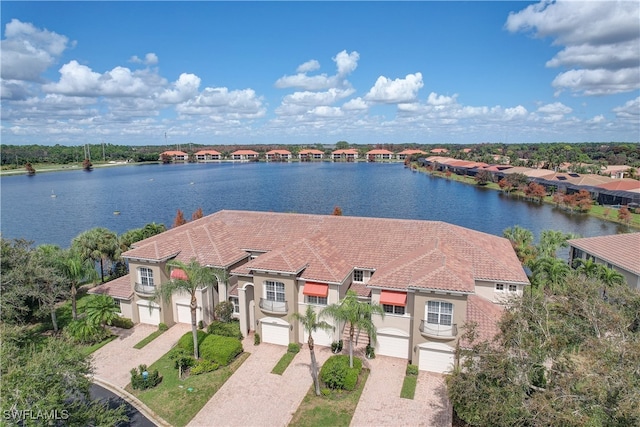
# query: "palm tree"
[[311, 323], [101, 310], [610, 278], [522, 241], [99, 245], [551, 240], [76, 270], [195, 277], [588, 267], [549, 273], [357, 314]]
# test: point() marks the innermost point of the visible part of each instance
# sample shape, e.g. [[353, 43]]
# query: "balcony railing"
[[438, 331], [273, 306], [144, 289]]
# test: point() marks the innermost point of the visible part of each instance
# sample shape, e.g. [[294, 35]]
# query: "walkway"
[[381, 405], [253, 396]]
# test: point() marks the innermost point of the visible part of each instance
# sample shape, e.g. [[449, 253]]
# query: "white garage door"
[[436, 357], [275, 331], [148, 312], [392, 342], [183, 310], [320, 337]]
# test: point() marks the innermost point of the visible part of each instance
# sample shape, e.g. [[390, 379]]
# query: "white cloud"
[[149, 59], [27, 51], [346, 63], [355, 104], [387, 91], [186, 87], [600, 40], [596, 119], [435, 99], [629, 111], [308, 66], [224, 103], [555, 108]]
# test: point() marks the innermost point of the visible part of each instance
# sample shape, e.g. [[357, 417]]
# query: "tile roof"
[[326, 248], [117, 288], [379, 151], [624, 184], [311, 151], [279, 152], [173, 153], [245, 152], [213, 152], [485, 315], [346, 151], [409, 152], [621, 250]]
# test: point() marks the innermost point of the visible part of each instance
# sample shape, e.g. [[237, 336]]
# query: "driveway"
[[381, 405], [114, 361], [253, 396]]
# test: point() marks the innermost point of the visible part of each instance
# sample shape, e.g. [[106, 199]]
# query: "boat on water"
[[53, 195]]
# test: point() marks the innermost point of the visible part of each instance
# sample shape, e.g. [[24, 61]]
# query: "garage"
[[183, 311], [392, 342], [275, 331], [436, 357], [148, 312], [320, 337]]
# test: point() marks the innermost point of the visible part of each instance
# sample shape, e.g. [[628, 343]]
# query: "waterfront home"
[[175, 156], [379, 154], [278, 155], [431, 277], [208, 155], [407, 153], [310, 154], [439, 151], [618, 251], [349, 155], [616, 171], [244, 155]]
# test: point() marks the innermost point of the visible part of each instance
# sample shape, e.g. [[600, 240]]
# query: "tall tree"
[[189, 279], [179, 219], [15, 304], [99, 245], [311, 324], [76, 270], [356, 314], [522, 241], [197, 214], [549, 273], [552, 240], [47, 285]]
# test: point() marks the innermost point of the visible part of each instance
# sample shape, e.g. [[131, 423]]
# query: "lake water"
[[153, 193]]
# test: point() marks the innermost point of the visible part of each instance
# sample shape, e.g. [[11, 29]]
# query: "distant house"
[[439, 151], [205, 155], [379, 154], [620, 252], [244, 155], [175, 156], [278, 155], [616, 171], [310, 154], [407, 153], [349, 155]]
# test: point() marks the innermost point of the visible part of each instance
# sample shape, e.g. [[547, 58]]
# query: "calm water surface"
[[153, 193]]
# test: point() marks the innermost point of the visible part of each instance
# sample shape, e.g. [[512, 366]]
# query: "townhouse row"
[[430, 277]]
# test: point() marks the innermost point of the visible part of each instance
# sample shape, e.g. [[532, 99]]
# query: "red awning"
[[393, 298], [316, 289], [179, 274]]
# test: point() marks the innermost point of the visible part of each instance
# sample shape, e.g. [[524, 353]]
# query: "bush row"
[[337, 375]]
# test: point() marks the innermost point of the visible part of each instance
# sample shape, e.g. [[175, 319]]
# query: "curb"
[[133, 401]]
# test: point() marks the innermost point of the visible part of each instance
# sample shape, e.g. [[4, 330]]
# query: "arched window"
[[145, 276]]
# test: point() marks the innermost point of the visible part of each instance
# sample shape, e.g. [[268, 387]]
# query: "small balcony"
[[144, 290], [444, 332], [273, 306]]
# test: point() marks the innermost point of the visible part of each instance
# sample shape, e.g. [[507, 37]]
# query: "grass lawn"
[[148, 339], [409, 387], [178, 401], [331, 411], [282, 364]]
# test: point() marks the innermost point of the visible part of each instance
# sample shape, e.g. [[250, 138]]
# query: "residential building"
[[278, 155], [176, 156], [348, 155], [431, 277], [244, 155], [406, 153], [379, 154], [208, 155], [310, 154], [620, 252]]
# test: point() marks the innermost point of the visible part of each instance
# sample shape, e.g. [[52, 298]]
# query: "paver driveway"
[[381, 405], [114, 361], [253, 396]]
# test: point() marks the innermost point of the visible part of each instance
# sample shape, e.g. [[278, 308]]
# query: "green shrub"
[[231, 329], [412, 370], [325, 391], [221, 350], [138, 380], [203, 366], [293, 348], [84, 332], [182, 358], [122, 322], [256, 339], [336, 346], [224, 311], [186, 341], [162, 327], [337, 375], [370, 352], [200, 324]]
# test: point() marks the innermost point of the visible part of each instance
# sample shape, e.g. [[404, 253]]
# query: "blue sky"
[[319, 72]]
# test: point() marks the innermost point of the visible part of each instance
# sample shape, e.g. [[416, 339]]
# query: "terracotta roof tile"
[[621, 250], [118, 288], [485, 315]]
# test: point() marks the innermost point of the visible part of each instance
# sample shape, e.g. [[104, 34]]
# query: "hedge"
[[231, 329], [186, 341], [337, 375], [220, 350]]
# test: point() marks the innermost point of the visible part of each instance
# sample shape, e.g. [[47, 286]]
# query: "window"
[[440, 313], [513, 288], [275, 291], [146, 276], [310, 299], [236, 304], [393, 309], [116, 302], [499, 287], [358, 275]]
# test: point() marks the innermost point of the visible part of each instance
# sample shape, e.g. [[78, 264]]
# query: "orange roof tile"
[[212, 152], [346, 151], [118, 288], [174, 153], [625, 184], [311, 151], [620, 250], [410, 152], [281, 152], [245, 152], [379, 151], [485, 315]]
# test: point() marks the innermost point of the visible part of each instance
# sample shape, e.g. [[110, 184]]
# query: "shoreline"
[[633, 224]]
